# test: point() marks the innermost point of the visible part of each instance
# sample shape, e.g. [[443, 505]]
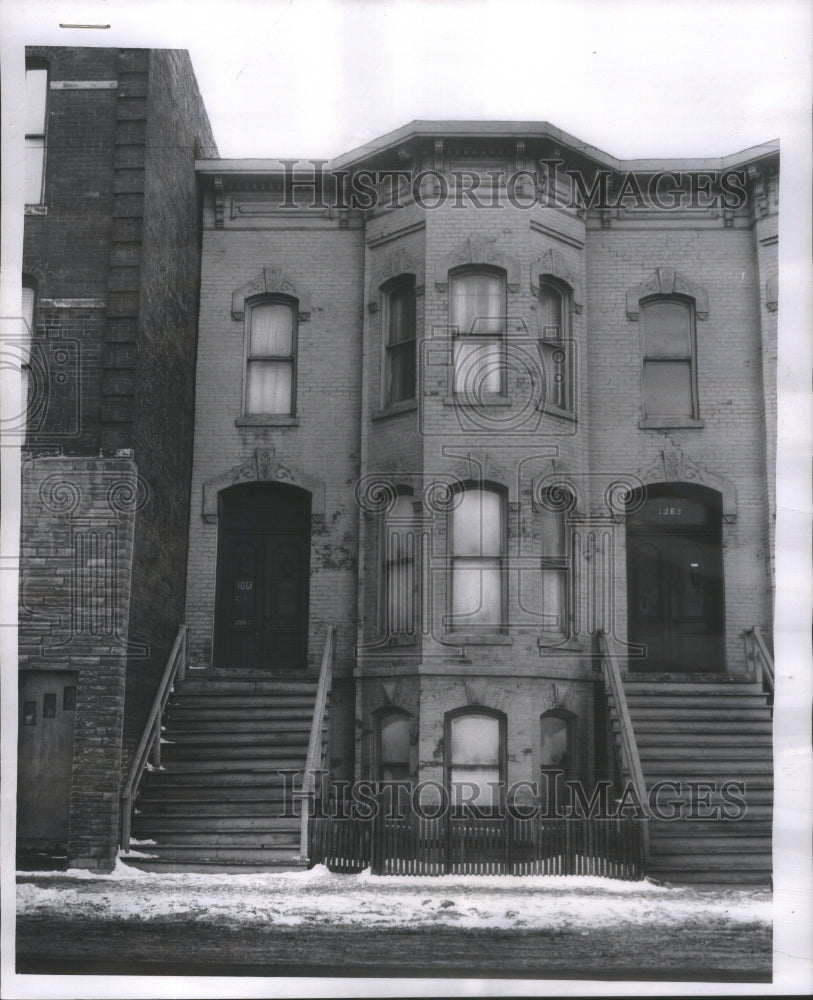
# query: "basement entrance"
[[263, 564], [675, 580]]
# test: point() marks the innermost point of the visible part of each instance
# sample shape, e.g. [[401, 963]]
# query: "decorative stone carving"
[[476, 691], [666, 281], [673, 466], [478, 250], [262, 467], [270, 281], [772, 293], [554, 264]]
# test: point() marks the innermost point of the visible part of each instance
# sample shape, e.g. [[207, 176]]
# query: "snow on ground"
[[320, 897]]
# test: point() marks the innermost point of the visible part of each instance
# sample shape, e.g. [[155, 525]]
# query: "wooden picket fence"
[[462, 845]]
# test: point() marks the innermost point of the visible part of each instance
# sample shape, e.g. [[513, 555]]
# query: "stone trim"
[[673, 466], [264, 467], [553, 264], [667, 281], [476, 251], [84, 84], [270, 281]]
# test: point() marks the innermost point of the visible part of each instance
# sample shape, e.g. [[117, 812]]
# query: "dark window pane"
[[668, 389], [49, 706], [401, 316], [69, 698], [29, 713], [554, 751], [550, 312], [402, 372]]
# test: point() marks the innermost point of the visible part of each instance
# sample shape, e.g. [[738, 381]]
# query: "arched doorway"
[[263, 571], [675, 580]]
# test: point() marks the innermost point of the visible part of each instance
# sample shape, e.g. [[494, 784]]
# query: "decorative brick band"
[[84, 84]]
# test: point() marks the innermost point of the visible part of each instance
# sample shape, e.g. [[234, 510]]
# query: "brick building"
[[483, 450], [490, 402], [110, 270]]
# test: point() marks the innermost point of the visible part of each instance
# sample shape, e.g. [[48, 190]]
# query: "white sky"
[[318, 77]]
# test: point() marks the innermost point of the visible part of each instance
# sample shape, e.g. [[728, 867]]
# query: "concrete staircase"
[[698, 730], [218, 803]]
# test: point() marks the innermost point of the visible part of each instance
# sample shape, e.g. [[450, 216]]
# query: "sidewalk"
[[317, 923]]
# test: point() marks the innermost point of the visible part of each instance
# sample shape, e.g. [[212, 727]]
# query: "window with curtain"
[[271, 358], [477, 551], [393, 746], [477, 318], [36, 94], [669, 372], [399, 546], [400, 342], [554, 321], [556, 583], [475, 758]]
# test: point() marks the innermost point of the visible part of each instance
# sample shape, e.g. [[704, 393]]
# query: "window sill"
[[668, 423], [266, 420], [405, 406], [36, 209], [488, 399], [467, 639]]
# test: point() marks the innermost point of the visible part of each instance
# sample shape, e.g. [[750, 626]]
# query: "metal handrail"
[[149, 745], [315, 751], [630, 758], [757, 651]]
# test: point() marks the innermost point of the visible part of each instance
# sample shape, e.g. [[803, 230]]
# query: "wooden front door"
[[263, 577], [47, 710], [675, 581]]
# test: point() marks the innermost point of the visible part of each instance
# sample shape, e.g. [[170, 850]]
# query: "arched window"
[[556, 753], [400, 340], [399, 548], [270, 383], [477, 544], [393, 745], [669, 368], [36, 100], [555, 561], [554, 322], [477, 317], [475, 758]]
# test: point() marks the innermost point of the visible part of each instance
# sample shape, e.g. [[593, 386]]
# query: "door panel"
[[45, 756], [675, 587], [263, 581]]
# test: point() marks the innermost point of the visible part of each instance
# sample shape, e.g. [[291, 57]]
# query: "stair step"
[[244, 684], [183, 728], [760, 743], [639, 713], [249, 751], [250, 854], [262, 778], [747, 753], [724, 770], [713, 700], [698, 728], [232, 838], [152, 825], [204, 805], [222, 763], [226, 714], [745, 827], [694, 846], [711, 875], [692, 687], [214, 867], [232, 699]]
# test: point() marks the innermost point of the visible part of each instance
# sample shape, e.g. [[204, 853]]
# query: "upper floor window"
[[477, 317], [271, 358], [669, 367], [555, 570], [399, 546], [477, 553], [36, 92], [29, 305], [475, 758], [400, 342], [393, 746], [554, 321]]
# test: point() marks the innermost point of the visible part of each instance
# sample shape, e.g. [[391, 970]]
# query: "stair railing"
[[758, 654], [149, 746], [315, 747], [630, 759]]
